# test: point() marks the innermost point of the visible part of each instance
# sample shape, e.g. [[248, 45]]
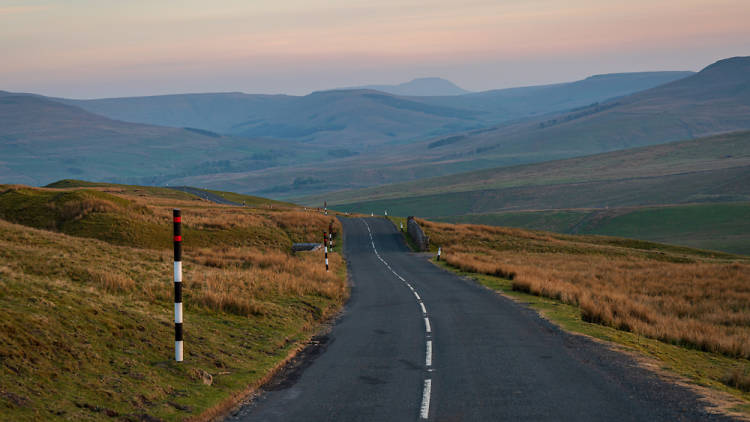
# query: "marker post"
[[177, 221]]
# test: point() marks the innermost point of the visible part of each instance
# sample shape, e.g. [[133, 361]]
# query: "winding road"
[[418, 343]]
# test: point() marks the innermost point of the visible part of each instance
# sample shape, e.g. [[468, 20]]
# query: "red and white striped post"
[[325, 245], [177, 219]]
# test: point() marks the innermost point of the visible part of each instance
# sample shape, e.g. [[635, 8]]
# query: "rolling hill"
[[419, 87], [713, 101], [721, 226], [43, 140], [360, 118], [714, 169], [353, 119]]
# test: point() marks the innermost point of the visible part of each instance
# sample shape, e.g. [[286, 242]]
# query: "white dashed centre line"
[[424, 410]]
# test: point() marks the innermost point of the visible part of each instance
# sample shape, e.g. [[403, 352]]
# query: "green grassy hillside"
[[706, 169], [720, 226], [713, 101], [359, 117], [42, 141]]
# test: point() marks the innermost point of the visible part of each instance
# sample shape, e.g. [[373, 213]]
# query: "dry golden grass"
[[238, 280], [86, 298], [236, 258], [665, 293]]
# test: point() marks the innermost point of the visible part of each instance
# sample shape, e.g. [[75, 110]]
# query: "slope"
[[357, 118], [99, 260], [353, 119], [42, 141], [715, 100], [715, 226], [419, 87], [714, 168]]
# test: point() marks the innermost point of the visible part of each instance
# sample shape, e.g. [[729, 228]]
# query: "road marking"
[[424, 410]]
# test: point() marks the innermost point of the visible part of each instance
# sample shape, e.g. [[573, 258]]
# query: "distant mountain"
[[42, 141], [358, 119], [712, 101], [420, 87], [502, 105], [715, 100], [352, 119]]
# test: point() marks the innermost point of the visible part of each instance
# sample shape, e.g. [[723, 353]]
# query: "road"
[[416, 342], [205, 195]]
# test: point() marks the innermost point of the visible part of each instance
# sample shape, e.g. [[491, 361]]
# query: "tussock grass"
[[86, 301], [676, 295], [738, 378], [688, 308]]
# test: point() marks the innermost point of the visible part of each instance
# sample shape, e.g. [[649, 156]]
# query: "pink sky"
[[98, 48]]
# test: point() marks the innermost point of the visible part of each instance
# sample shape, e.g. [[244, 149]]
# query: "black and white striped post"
[[439, 251], [177, 219], [325, 245], [325, 207]]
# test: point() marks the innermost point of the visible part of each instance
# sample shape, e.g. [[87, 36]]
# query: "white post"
[[177, 220]]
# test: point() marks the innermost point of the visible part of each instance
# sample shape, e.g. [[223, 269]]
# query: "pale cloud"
[[15, 10], [147, 41]]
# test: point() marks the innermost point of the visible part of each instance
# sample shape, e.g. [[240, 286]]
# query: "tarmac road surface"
[[418, 343]]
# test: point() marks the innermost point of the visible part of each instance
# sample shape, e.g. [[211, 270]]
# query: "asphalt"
[[205, 195], [492, 359]]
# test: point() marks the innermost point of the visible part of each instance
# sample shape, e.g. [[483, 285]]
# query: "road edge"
[[717, 402]]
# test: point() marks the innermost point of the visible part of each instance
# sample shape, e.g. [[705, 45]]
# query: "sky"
[[103, 48]]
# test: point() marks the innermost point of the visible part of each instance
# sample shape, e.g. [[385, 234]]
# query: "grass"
[[692, 306], [86, 318], [688, 159], [719, 226], [712, 370]]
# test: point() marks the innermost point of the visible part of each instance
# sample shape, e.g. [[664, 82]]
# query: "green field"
[[716, 226]]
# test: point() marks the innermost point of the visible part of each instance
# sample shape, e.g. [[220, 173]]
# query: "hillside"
[[420, 87], [351, 119], [714, 226], [43, 140], [515, 103], [714, 168], [99, 259], [715, 100], [357, 118]]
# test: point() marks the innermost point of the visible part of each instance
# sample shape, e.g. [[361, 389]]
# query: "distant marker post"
[[177, 222], [325, 245], [439, 251]]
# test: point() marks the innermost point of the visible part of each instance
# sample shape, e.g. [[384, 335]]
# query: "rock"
[[199, 374]]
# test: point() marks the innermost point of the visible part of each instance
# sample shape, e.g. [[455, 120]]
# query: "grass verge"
[[86, 320], [712, 370]]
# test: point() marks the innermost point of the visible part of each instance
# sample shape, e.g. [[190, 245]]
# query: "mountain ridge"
[[419, 87]]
